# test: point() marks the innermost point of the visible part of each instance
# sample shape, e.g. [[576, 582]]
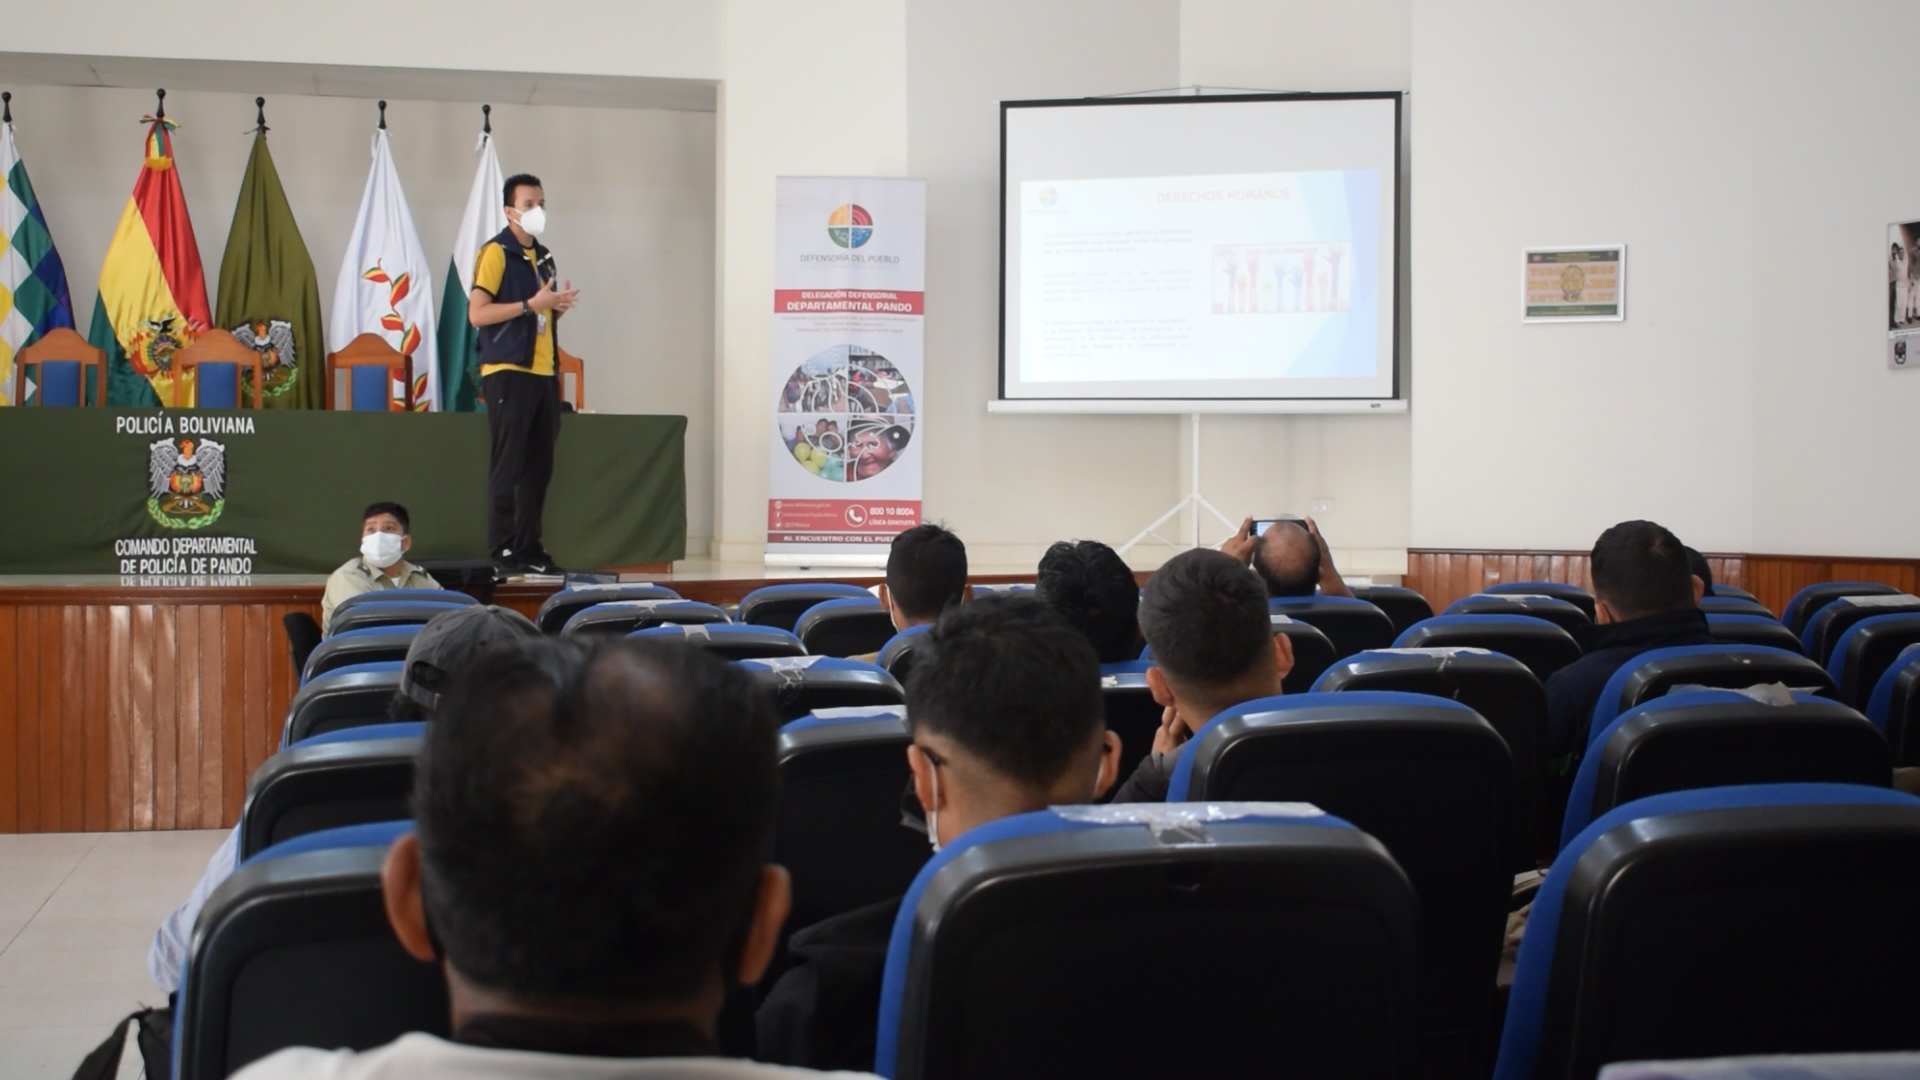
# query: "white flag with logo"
[[385, 286], [486, 215]]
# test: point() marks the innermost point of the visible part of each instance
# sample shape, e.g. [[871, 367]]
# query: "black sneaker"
[[507, 563], [538, 561]]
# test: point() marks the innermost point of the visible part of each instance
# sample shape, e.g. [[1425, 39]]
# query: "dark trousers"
[[523, 415]]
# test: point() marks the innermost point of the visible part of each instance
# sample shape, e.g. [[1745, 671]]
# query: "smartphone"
[[1261, 525]]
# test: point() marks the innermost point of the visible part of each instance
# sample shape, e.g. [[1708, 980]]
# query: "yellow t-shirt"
[[489, 268]]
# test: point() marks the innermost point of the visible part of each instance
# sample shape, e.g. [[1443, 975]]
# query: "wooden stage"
[[125, 706]]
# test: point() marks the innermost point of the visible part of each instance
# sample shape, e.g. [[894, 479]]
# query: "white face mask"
[[534, 220], [380, 549]]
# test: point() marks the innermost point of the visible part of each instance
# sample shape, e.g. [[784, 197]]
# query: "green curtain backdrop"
[[296, 486]]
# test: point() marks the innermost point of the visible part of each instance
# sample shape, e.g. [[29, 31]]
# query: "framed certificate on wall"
[[1575, 284]]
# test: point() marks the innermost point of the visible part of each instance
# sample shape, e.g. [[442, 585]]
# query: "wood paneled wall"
[[120, 715], [1446, 575]]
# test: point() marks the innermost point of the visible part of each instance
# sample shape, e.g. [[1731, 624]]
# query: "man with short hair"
[[926, 575], [516, 304], [588, 868], [386, 535], [1647, 598], [1703, 570], [1007, 718], [1093, 589], [446, 646], [1213, 646]]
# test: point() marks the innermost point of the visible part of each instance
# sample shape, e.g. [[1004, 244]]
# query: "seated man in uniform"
[[386, 534], [1006, 718]]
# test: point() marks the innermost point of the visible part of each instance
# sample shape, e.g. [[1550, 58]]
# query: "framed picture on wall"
[[1587, 283], [1903, 295]]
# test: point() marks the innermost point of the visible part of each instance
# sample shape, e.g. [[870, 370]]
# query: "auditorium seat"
[[1730, 667], [355, 647], [807, 684], [408, 596], [782, 605], [389, 613], [1813, 597], [1866, 649], [626, 616], [1825, 626], [1501, 689], [1752, 630], [1717, 738], [838, 829], [1558, 590], [1561, 613], [1733, 591], [900, 651], [1894, 707], [729, 641], [351, 777], [1427, 777], [344, 697], [294, 950], [999, 589], [1734, 605], [1403, 606], [563, 605], [848, 626], [1313, 653], [1354, 626], [1153, 941], [1131, 713], [1760, 919], [1537, 643]]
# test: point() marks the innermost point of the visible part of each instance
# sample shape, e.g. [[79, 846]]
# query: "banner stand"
[[847, 368]]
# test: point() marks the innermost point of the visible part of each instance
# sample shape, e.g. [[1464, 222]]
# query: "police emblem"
[[151, 350], [273, 340], [187, 482]]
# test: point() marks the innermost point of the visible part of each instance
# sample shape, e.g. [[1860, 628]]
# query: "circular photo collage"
[[846, 414]]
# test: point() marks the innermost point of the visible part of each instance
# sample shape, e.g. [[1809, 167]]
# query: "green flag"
[[269, 294]]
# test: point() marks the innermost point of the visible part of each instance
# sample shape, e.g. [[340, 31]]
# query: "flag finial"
[[6, 106], [383, 116], [486, 119], [260, 114], [160, 110]]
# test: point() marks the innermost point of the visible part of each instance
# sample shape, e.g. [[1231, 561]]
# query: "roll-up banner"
[[849, 278]]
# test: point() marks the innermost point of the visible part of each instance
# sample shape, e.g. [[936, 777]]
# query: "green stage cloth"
[[216, 492]]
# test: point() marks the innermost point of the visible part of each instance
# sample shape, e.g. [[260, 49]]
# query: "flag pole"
[[260, 115], [486, 119], [6, 107], [160, 110], [383, 116]]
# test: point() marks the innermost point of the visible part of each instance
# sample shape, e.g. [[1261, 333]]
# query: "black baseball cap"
[[449, 642]]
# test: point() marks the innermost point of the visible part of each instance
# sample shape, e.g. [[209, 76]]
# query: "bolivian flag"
[[153, 294]]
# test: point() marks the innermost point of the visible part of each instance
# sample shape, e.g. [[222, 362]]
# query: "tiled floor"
[[77, 911]]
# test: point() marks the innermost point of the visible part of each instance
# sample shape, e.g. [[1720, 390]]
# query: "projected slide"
[[1237, 277]]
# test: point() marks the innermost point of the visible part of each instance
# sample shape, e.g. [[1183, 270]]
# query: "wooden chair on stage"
[[213, 354], [62, 358], [371, 366], [570, 364]]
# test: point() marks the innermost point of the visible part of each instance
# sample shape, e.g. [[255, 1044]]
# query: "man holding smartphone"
[[516, 304], [1290, 556]]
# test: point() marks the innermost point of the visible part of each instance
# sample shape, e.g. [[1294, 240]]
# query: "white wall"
[[1541, 125], [661, 38], [631, 193]]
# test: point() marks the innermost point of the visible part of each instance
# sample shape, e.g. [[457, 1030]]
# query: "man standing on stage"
[[515, 304]]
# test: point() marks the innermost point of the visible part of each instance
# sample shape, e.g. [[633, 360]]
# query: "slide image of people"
[[1282, 279], [1903, 276], [852, 412]]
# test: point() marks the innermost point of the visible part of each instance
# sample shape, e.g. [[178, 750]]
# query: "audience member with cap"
[[444, 648], [1006, 718], [1646, 597], [1094, 590], [926, 575], [588, 868], [1213, 646], [386, 534], [1291, 557]]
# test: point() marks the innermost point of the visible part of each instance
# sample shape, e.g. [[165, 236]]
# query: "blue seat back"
[[626, 616], [1354, 626], [1023, 945], [1720, 589], [1826, 626], [386, 613], [344, 697], [729, 641], [1558, 590], [1731, 667], [375, 643], [294, 949], [1751, 630], [1719, 738], [1810, 599], [1567, 616], [1866, 649], [1425, 776], [845, 626], [898, 654], [58, 383], [1403, 606], [405, 596], [1722, 921], [1894, 706], [555, 610], [1734, 605], [807, 684], [370, 388], [1541, 645], [782, 605], [351, 777], [217, 385]]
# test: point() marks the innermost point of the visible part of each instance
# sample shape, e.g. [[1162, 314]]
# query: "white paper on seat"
[[1901, 1065], [1890, 600], [1280, 620], [898, 712], [1773, 693], [1183, 823], [785, 663], [1440, 650]]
